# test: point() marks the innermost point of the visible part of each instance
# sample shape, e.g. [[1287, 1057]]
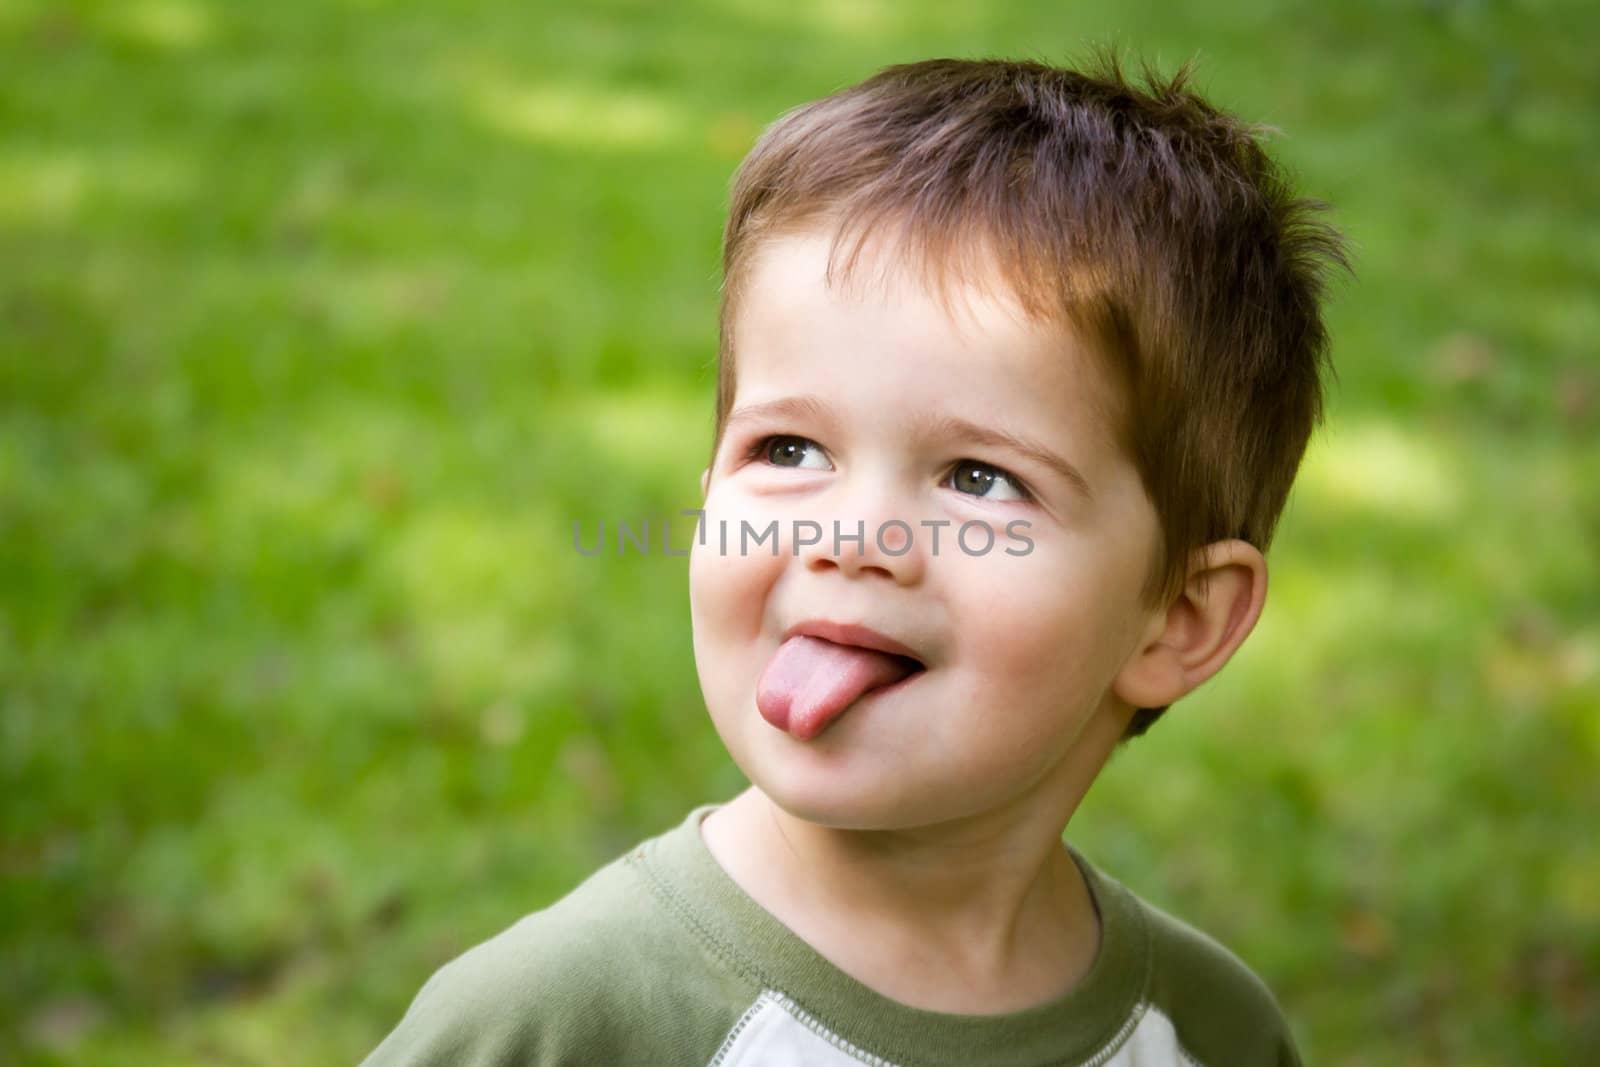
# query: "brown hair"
[[1143, 217]]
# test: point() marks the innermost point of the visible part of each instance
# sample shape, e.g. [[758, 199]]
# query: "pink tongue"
[[810, 681]]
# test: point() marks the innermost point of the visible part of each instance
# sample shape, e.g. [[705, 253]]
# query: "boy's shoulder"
[[583, 980], [659, 958], [1217, 1008]]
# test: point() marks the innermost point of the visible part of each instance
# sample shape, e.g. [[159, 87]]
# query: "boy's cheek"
[[739, 528], [724, 590]]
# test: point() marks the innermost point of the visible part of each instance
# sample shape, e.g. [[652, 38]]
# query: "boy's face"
[[885, 407]]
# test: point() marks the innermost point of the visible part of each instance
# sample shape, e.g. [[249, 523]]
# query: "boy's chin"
[[843, 817], [839, 780], [847, 808], [814, 792]]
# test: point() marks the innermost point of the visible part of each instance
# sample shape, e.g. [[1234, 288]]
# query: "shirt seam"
[[1120, 1038], [827, 1033], [724, 952], [680, 909], [1146, 999], [1135, 1017], [739, 963], [732, 1036], [1143, 1002]]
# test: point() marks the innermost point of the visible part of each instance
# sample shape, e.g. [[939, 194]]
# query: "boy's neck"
[[986, 917]]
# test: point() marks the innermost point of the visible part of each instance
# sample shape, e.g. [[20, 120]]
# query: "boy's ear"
[[705, 480], [1200, 630]]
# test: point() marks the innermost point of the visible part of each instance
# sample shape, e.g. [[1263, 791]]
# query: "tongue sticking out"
[[810, 681]]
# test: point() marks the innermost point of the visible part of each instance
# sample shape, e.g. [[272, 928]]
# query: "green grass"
[[321, 323]]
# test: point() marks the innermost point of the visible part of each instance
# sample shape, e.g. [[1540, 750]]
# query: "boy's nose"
[[866, 536]]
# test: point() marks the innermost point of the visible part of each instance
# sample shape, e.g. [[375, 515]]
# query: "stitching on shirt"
[[1114, 1046], [1148, 955], [738, 962], [738, 1028], [816, 1026], [680, 908], [1140, 929], [1120, 1038], [741, 966]]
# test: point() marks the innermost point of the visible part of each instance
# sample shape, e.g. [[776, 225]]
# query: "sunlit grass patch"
[[574, 115]]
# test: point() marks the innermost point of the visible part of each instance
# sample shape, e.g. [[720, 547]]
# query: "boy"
[[1019, 364]]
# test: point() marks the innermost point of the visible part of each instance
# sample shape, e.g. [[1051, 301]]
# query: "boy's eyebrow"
[[806, 407], [785, 407], [953, 426]]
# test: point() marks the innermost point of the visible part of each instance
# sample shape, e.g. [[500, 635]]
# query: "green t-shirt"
[[660, 958]]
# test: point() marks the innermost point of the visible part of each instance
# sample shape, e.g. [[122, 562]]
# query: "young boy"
[[1017, 367]]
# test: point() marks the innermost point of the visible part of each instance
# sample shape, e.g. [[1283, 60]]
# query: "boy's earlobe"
[[1201, 629]]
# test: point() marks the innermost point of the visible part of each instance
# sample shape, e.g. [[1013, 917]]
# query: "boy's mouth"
[[822, 668]]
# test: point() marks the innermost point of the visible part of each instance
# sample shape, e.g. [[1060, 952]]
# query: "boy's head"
[[1142, 224]]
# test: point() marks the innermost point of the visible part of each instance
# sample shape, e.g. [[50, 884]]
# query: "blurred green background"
[[320, 323]]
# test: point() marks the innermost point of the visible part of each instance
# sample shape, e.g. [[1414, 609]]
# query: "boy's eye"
[[791, 452], [982, 480]]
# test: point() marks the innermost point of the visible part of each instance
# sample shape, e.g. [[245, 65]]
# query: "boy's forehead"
[[798, 281], [971, 289]]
